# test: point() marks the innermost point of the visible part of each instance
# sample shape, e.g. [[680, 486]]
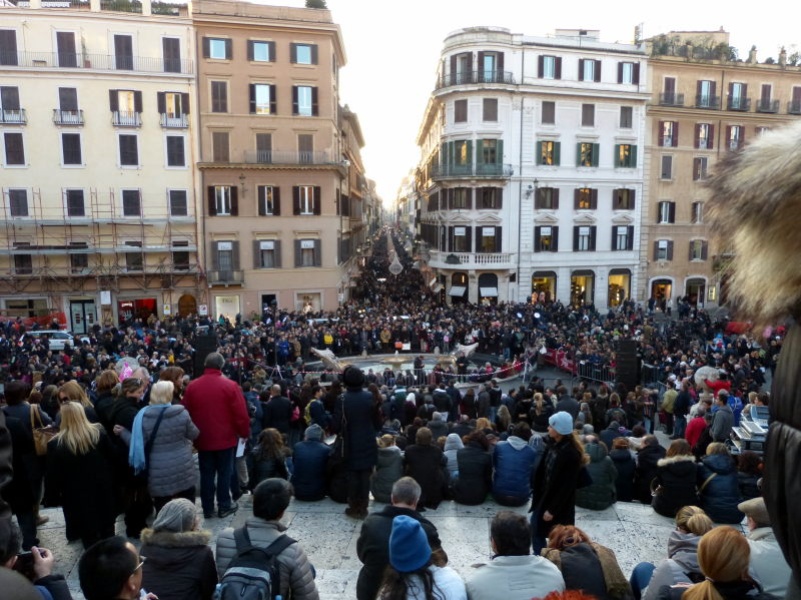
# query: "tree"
[[316, 4]]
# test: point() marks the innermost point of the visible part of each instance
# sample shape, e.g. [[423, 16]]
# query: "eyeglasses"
[[142, 560]]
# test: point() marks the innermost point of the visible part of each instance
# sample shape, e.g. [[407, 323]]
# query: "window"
[[626, 117], [176, 156], [668, 134], [584, 238], [490, 109], [18, 203], [699, 167], [134, 259], [489, 198], [625, 156], [548, 153], [267, 254], [126, 107], [490, 152], [68, 113], [65, 47], [585, 199], [306, 200], [303, 54], [304, 100], [738, 97], [225, 259], [697, 213], [666, 171], [548, 112], [698, 249], [269, 199], [546, 239], [75, 203], [459, 198], [588, 115], [23, 264], [220, 147], [263, 99], [704, 136], [589, 70], [219, 96], [261, 51], [705, 96], [735, 137], [666, 212], [547, 198], [489, 239], [622, 237], [180, 258], [460, 111], [223, 201], [461, 239], [173, 108], [9, 105], [171, 50], [623, 199], [759, 130], [217, 48], [306, 148], [490, 67], [549, 67], [178, 203], [587, 155], [628, 72], [123, 52], [8, 47], [307, 253], [79, 263], [264, 147], [14, 148], [131, 203], [461, 68], [129, 152], [462, 153], [663, 250]]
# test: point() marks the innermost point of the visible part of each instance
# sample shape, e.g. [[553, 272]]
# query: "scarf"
[[136, 452]]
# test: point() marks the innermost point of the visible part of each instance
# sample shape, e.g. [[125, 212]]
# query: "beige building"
[[96, 161], [279, 159], [703, 105]]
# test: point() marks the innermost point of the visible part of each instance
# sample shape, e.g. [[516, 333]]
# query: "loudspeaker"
[[628, 364], [204, 345]]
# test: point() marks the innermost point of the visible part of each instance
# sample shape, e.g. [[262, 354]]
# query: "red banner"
[[560, 359]]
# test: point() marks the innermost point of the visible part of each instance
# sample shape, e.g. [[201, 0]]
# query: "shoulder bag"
[[41, 434]]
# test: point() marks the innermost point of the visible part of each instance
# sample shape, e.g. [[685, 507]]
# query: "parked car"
[[58, 338]]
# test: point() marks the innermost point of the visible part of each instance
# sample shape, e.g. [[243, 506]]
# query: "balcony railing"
[[767, 106], [479, 170], [442, 259], [101, 62], [287, 157], [67, 117], [707, 101], [671, 99], [157, 8], [794, 107], [126, 119], [226, 277], [739, 104], [13, 117], [476, 77], [171, 121]]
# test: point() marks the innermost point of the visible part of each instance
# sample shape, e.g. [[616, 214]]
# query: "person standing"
[[217, 407], [723, 419], [277, 412]]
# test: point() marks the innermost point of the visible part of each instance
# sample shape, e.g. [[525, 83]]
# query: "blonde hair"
[[723, 555], [74, 391], [483, 423], [76, 432], [693, 519], [386, 440], [161, 392], [717, 448]]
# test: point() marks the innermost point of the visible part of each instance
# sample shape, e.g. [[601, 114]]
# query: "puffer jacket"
[[721, 494], [179, 566], [172, 467], [681, 564], [647, 459], [602, 492], [453, 444], [388, 470], [676, 481], [294, 568], [514, 462], [625, 465], [475, 475]]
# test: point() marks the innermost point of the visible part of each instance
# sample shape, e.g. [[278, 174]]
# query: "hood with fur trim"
[[679, 458], [170, 539]]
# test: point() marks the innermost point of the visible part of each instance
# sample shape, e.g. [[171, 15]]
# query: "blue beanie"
[[562, 422], [408, 545]]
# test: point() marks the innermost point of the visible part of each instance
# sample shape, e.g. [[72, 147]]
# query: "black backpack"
[[253, 572]]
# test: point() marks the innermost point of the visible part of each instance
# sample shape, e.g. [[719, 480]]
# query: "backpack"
[[253, 572]]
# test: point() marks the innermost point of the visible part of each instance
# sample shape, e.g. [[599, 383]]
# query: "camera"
[[24, 564]]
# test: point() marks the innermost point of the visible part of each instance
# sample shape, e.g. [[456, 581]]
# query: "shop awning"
[[488, 291], [457, 290], [432, 282], [436, 289]]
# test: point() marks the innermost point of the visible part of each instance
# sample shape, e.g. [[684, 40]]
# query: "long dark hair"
[[395, 585], [270, 445]]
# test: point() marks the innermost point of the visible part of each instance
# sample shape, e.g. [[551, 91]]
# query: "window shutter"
[[558, 67], [138, 102], [592, 238], [576, 198], [215, 257], [581, 69], [630, 238], [619, 78], [596, 152], [499, 152], [161, 102], [704, 250], [578, 154], [234, 201], [539, 153], [499, 65], [256, 252], [536, 239], [185, 103], [557, 153], [315, 109], [656, 250], [597, 71], [675, 134], [594, 199], [295, 200], [670, 251], [636, 73], [318, 200], [711, 140], [276, 201], [713, 88], [294, 99], [617, 155], [540, 65], [298, 256], [575, 238], [277, 260], [293, 53], [554, 239], [273, 99], [498, 232], [690, 248], [314, 54], [252, 96], [728, 136], [271, 50], [614, 237], [659, 138], [555, 198], [469, 153], [229, 49], [250, 49], [318, 254], [212, 202], [113, 103], [741, 140], [450, 240], [697, 135], [206, 47], [235, 256], [480, 67], [698, 89], [633, 156], [672, 212], [453, 69]]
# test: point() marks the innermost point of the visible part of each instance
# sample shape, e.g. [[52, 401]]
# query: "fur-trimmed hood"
[[679, 458], [170, 539]]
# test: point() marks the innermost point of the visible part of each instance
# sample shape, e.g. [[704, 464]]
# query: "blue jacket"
[[514, 462], [310, 459], [721, 494]]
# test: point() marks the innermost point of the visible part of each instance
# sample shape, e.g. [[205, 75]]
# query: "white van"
[[58, 339]]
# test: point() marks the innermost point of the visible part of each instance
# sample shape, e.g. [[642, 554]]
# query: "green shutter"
[[578, 154], [633, 159], [469, 152], [596, 151], [617, 155], [499, 152], [557, 153], [539, 153]]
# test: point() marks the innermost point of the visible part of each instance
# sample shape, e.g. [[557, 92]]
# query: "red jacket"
[[218, 408], [716, 386], [694, 430]]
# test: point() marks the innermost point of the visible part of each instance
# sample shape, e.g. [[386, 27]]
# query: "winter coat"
[[438, 427], [582, 570], [555, 485], [277, 413], [179, 566], [647, 459], [295, 570], [426, 465], [267, 467], [625, 465], [767, 565], [103, 408], [749, 485], [218, 409], [452, 446], [362, 420], [21, 492], [539, 422], [721, 493], [675, 485], [681, 566], [513, 461], [388, 470], [475, 475], [602, 492], [310, 461], [611, 433], [737, 590], [515, 578], [722, 422]]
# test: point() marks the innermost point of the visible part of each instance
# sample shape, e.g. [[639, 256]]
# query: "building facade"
[[531, 172]]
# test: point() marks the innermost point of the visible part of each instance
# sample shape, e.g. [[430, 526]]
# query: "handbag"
[[656, 488], [41, 434], [143, 475]]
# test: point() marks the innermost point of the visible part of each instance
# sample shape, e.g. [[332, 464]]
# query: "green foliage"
[[316, 4]]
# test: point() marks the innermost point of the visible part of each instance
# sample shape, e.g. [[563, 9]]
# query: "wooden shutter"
[[594, 198], [318, 199], [540, 65], [671, 212], [453, 69], [315, 108], [113, 101], [294, 99], [675, 137], [257, 254], [314, 54], [229, 49], [630, 238], [636, 74], [469, 232], [185, 103], [575, 238], [250, 49], [161, 102], [728, 137], [138, 102], [592, 237], [704, 250], [660, 127], [261, 200], [273, 99], [555, 198], [298, 257], [558, 69], [499, 67], [614, 237], [711, 140], [252, 98], [596, 151], [618, 161], [698, 89], [537, 239], [318, 254], [656, 250], [741, 140], [206, 47], [235, 256], [215, 257], [212, 201], [597, 71], [690, 250], [234, 201], [557, 153], [293, 53], [581, 69], [697, 135], [295, 200], [619, 80], [576, 198], [67, 99], [498, 232], [713, 90], [277, 258], [633, 156], [276, 201], [271, 50], [554, 239], [670, 251], [539, 153]]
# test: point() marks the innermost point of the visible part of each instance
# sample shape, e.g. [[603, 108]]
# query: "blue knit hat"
[[408, 545], [562, 422]]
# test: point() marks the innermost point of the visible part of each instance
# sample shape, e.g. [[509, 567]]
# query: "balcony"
[[67, 117], [470, 260], [98, 62], [506, 77], [707, 102], [739, 104], [287, 157], [794, 107], [225, 277], [767, 106], [171, 121], [489, 171], [15, 116], [125, 6], [120, 118], [671, 99]]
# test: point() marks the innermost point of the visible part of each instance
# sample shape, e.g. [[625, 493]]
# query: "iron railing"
[[225, 277], [287, 157], [67, 117], [767, 106], [739, 104], [16, 116], [483, 76], [126, 119], [707, 101], [171, 121], [101, 62], [794, 107], [671, 99], [479, 170]]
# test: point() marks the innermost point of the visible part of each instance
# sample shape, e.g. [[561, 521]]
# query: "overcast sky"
[[393, 49]]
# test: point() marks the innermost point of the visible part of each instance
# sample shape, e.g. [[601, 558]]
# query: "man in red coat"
[[218, 408]]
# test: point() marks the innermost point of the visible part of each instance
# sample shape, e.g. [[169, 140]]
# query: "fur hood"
[[679, 458], [755, 211], [170, 539]]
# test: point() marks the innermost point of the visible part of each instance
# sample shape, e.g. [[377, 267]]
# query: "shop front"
[[488, 289], [582, 288], [695, 290], [619, 287], [227, 306], [459, 288], [543, 286], [128, 310]]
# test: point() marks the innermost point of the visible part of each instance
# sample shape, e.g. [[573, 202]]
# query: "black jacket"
[[475, 475], [277, 413], [426, 465], [676, 479], [362, 420], [179, 566], [647, 459], [625, 465]]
